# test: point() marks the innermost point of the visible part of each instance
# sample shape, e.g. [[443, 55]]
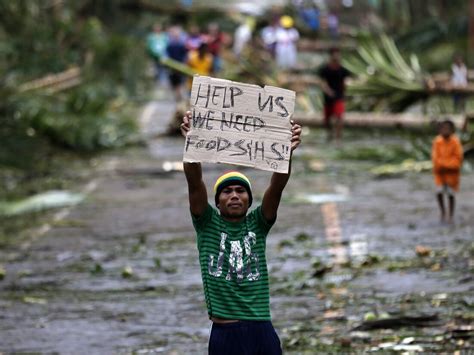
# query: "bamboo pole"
[[378, 120], [72, 77], [298, 82], [54, 82], [470, 49]]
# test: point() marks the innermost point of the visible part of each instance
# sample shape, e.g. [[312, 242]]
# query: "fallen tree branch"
[[402, 321], [382, 120], [54, 82]]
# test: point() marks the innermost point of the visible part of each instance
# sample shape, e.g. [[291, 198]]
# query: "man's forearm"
[[272, 196], [279, 180], [196, 188], [193, 173]]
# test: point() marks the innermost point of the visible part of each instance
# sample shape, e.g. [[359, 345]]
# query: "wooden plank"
[[54, 82], [317, 45]]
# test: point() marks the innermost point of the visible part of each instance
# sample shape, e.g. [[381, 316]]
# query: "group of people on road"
[[231, 241], [199, 50]]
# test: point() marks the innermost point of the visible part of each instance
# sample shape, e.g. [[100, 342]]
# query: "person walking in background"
[[177, 51], [447, 156], [200, 61], [194, 38], [286, 39], [333, 25], [157, 41], [268, 35], [242, 35], [333, 84], [214, 39], [310, 14], [459, 81]]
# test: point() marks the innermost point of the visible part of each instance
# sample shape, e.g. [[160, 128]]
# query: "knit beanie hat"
[[232, 178]]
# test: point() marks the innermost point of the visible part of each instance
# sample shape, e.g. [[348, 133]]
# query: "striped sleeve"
[[263, 223], [201, 221]]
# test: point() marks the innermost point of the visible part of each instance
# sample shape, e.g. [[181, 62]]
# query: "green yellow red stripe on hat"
[[232, 178]]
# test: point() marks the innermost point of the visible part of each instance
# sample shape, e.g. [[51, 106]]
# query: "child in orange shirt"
[[447, 156]]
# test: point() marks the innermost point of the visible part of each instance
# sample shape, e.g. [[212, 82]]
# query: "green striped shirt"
[[233, 265]]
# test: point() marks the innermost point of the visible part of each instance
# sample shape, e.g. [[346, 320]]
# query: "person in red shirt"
[[333, 86], [214, 39], [447, 156]]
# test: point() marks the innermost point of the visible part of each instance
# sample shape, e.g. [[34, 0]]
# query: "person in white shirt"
[[242, 36], [268, 35], [286, 38], [459, 80]]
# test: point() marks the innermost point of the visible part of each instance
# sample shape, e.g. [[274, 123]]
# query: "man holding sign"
[[232, 243]]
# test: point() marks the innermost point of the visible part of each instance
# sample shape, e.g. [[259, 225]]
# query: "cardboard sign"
[[240, 124]]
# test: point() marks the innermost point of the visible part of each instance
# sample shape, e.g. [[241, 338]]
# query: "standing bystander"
[[333, 86], [447, 159], [177, 51], [157, 41], [215, 39], [285, 48], [200, 60], [194, 39], [268, 35], [459, 81]]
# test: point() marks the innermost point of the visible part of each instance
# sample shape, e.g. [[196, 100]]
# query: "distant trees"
[[471, 33], [41, 37], [402, 14]]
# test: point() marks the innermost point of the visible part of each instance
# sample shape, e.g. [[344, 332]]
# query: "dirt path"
[[119, 273]]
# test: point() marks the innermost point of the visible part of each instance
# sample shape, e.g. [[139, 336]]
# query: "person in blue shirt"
[[177, 51], [156, 42]]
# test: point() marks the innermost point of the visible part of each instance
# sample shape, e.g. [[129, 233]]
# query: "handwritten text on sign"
[[240, 123]]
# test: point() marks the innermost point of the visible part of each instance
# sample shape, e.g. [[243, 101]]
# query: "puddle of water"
[[406, 283], [338, 278], [167, 148], [173, 166], [319, 198], [358, 246]]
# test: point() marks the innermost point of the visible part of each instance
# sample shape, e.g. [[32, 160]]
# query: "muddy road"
[[357, 263]]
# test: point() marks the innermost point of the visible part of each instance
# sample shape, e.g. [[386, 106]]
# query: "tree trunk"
[[412, 7], [470, 45], [442, 9]]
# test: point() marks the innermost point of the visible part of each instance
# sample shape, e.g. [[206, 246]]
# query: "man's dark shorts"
[[244, 338]]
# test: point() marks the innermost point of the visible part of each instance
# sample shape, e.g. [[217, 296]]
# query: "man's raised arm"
[[272, 196], [193, 172]]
